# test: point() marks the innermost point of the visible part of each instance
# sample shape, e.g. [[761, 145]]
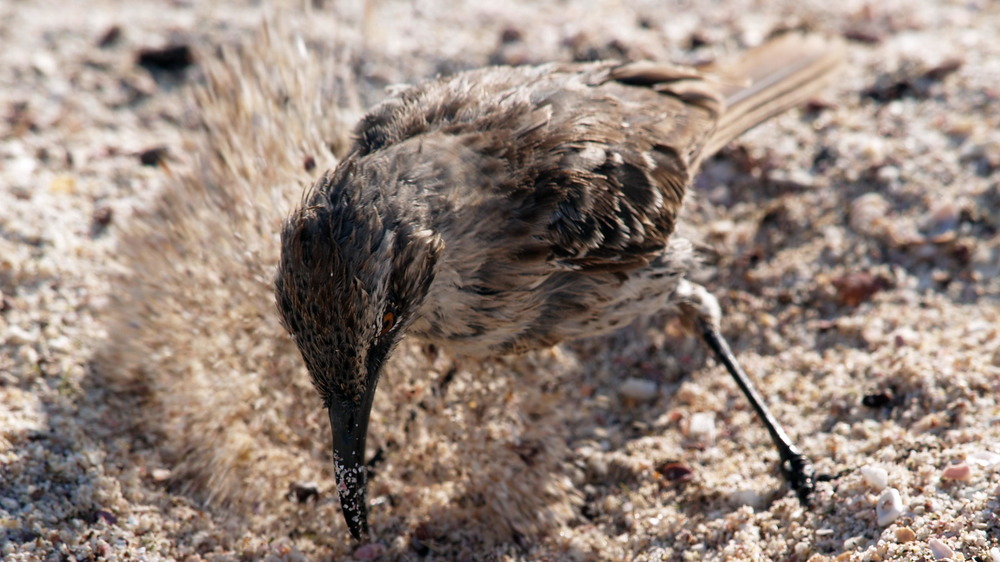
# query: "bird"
[[507, 209]]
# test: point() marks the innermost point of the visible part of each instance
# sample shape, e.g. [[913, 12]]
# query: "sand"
[[151, 406]]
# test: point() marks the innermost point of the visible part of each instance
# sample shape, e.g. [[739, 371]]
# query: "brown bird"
[[508, 209]]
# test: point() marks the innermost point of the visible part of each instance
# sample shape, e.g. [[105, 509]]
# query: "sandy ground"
[[151, 407]]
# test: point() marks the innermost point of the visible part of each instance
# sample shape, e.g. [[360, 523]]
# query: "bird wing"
[[611, 167], [596, 157]]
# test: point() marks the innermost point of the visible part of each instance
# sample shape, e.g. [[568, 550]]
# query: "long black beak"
[[349, 421]]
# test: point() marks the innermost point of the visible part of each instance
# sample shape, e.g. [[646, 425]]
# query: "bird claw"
[[801, 475]]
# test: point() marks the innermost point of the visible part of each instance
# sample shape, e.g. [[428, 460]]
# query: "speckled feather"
[[507, 209]]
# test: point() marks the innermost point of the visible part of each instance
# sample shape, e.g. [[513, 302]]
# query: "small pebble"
[[511, 34], [904, 336], [63, 184], [868, 214], [369, 551], [889, 507], [16, 335], [419, 547], [941, 221], [101, 218], [173, 58], [160, 474], [106, 516], [939, 549], [45, 64], [640, 390], [877, 399], [961, 471], [701, 426], [875, 476], [905, 534], [857, 287], [153, 156], [748, 497], [304, 491], [110, 36], [676, 472], [995, 554]]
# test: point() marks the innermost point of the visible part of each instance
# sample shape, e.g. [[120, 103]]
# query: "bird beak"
[[349, 421]]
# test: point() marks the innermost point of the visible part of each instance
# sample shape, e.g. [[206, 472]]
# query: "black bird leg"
[[701, 306]]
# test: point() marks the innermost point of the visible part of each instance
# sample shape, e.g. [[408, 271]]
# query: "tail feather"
[[772, 78]]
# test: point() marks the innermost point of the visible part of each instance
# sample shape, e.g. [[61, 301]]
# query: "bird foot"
[[798, 469]]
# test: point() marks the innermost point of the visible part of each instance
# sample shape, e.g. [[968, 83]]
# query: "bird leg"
[[703, 308]]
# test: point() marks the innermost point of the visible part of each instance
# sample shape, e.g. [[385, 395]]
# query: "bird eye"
[[388, 321]]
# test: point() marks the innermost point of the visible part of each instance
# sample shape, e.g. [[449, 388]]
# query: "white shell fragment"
[[889, 507], [640, 390], [701, 426], [875, 476], [939, 549], [985, 458], [749, 497]]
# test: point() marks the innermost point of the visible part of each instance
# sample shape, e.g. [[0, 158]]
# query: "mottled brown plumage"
[[509, 209]]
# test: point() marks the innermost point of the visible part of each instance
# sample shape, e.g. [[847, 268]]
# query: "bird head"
[[354, 269]]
